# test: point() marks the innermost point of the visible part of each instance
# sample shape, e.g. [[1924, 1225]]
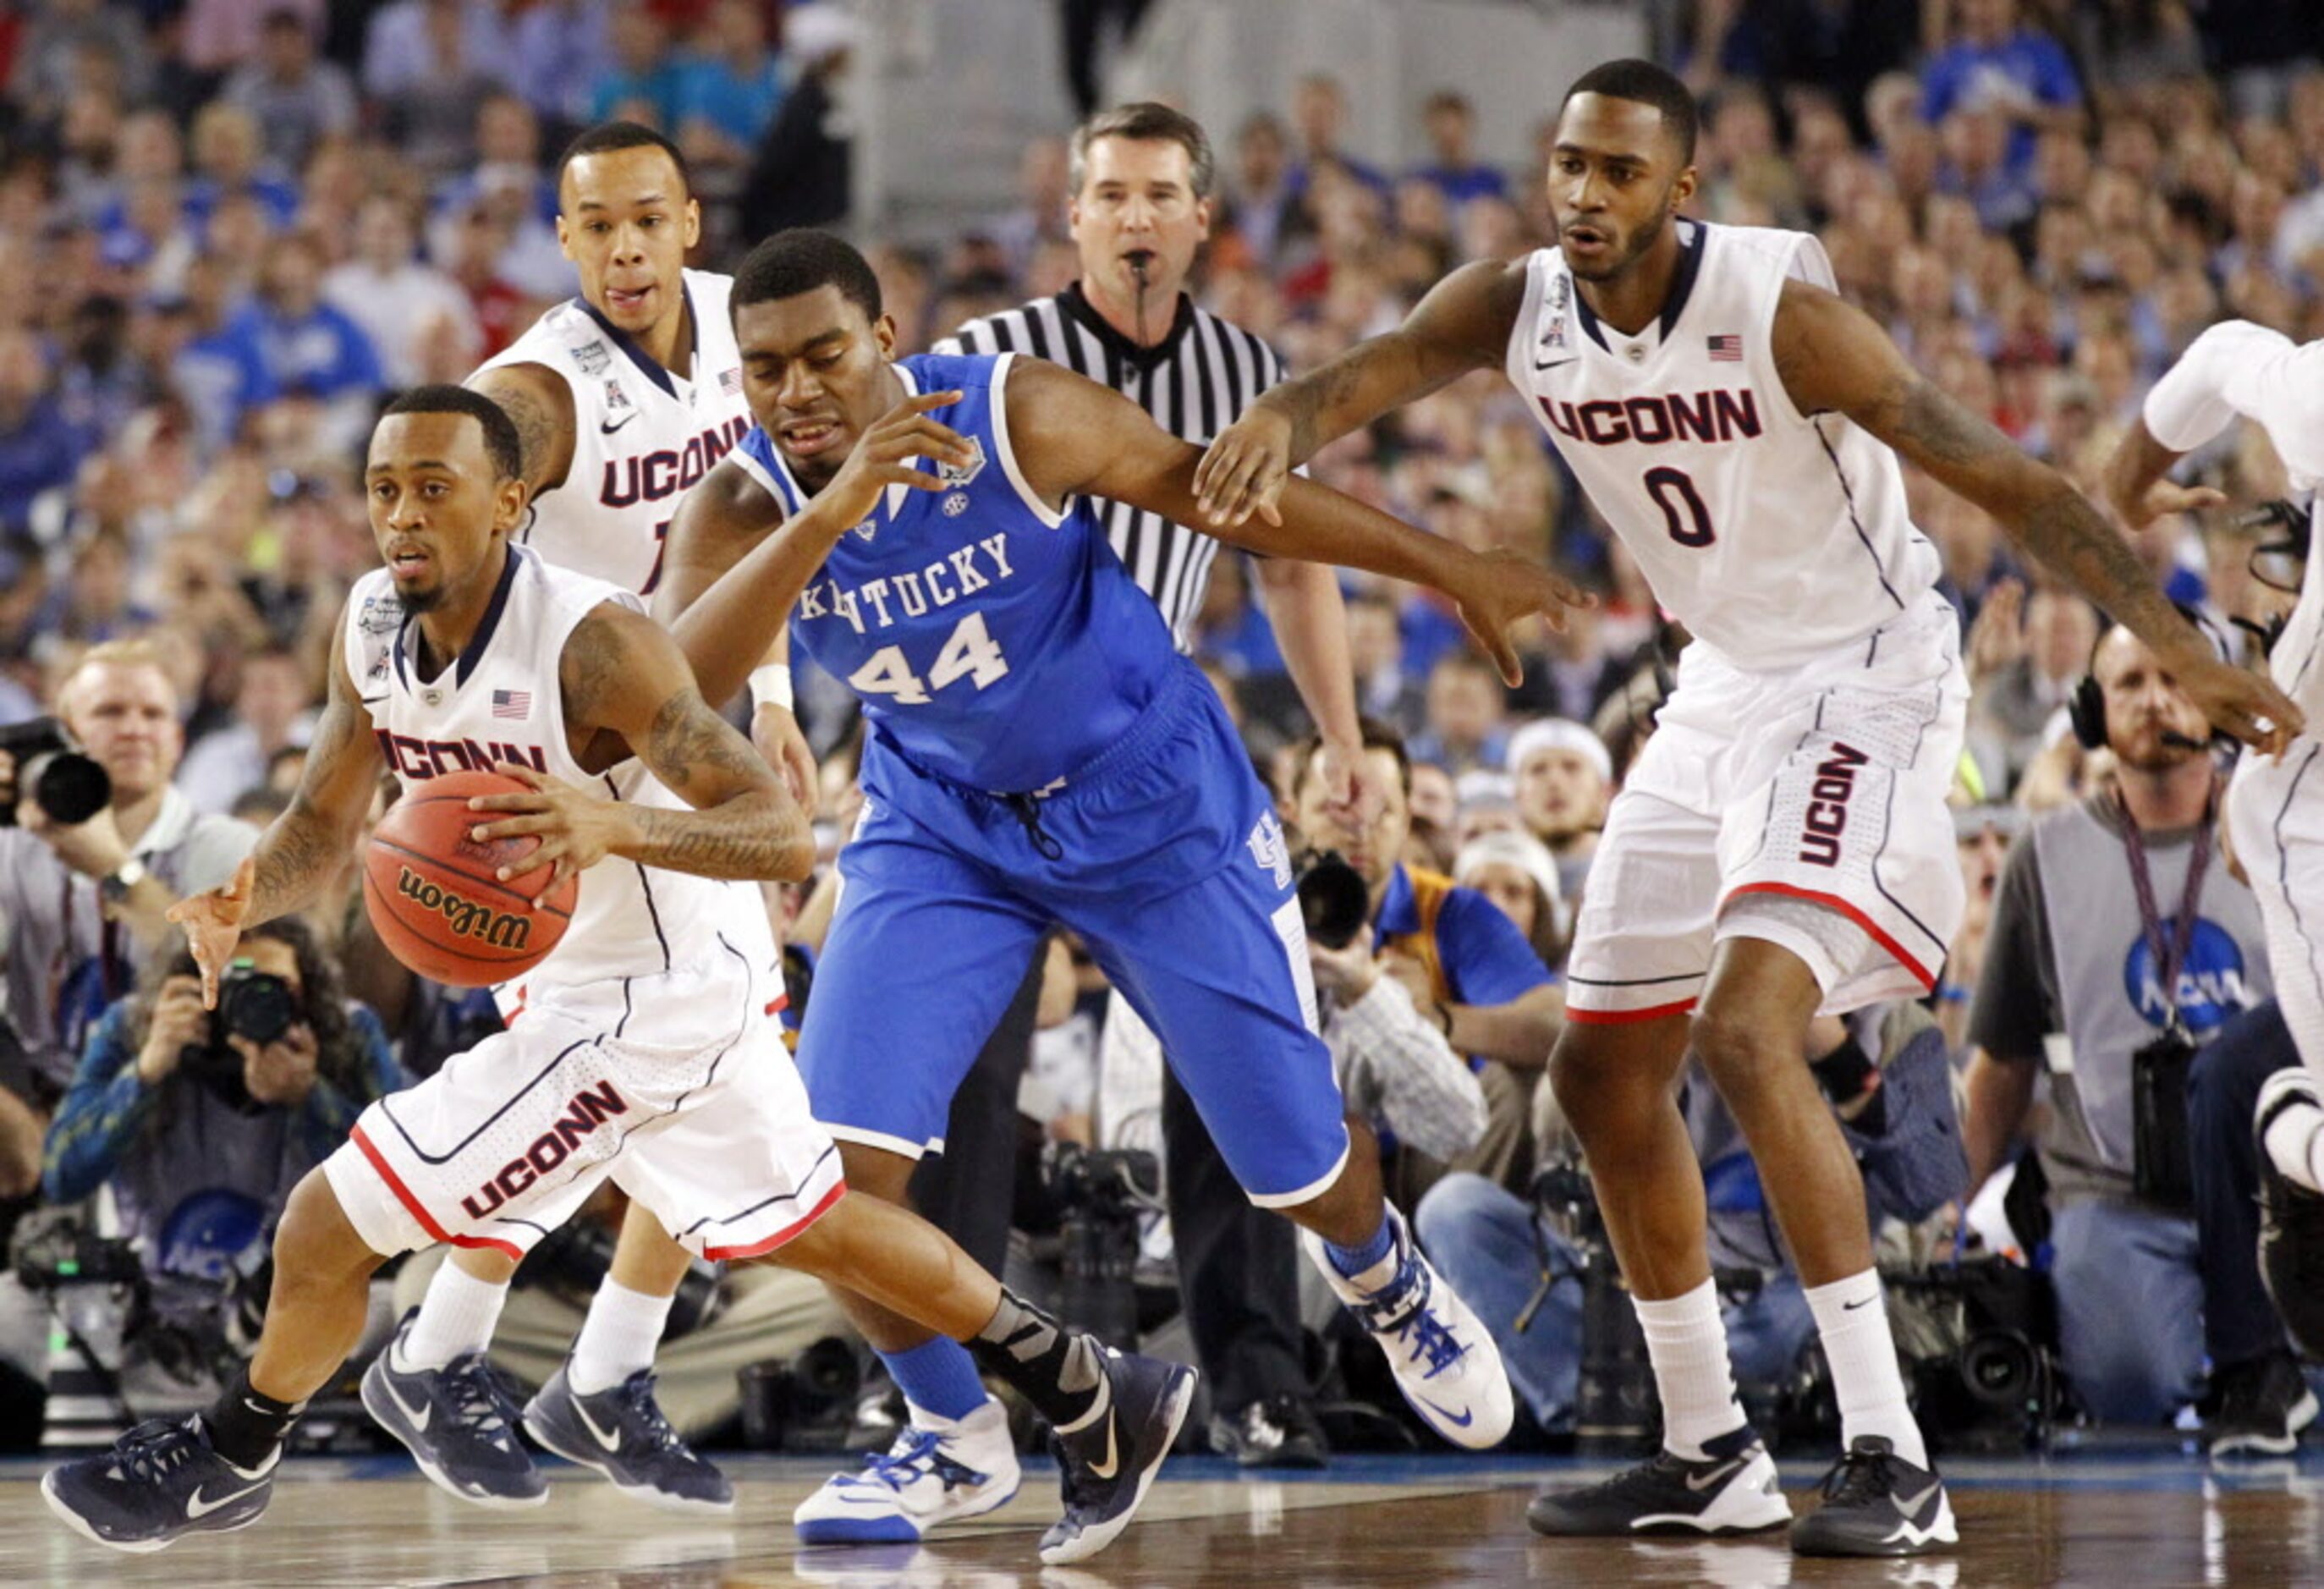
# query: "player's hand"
[[1243, 470], [1408, 970], [213, 923], [576, 829], [1352, 793], [883, 457], [1997, 638], [281, 1072], [1497, 589], [2240, 702], [775, 733], [2167, 496], [178, 1023], [1350, 973]]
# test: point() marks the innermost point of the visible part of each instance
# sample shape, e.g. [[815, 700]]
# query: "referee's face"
[[1137, 206]]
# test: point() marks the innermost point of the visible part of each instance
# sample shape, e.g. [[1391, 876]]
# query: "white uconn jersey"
[[642, 434], [499, 701], [1774, 537]]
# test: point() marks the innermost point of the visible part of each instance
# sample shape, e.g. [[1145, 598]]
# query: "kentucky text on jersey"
[[653, 476], [432, 758], [1707, 416], [958, 573]]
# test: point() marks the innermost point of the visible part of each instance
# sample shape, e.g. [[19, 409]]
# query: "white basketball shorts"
[[675, 1088], [1805, 807], [2276, 817]]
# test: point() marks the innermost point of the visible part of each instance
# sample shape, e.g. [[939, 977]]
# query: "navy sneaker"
[[1108, 1465], [1876, 1503], [621, 1433], [160, 1479], [459, 1424], [1732, 1489]]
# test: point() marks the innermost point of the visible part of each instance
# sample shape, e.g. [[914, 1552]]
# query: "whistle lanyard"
[[2169, 955]]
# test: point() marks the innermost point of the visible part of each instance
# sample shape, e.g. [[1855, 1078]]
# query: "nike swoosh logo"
[[612, 1442], [1699, 1483], [195, 1507], [606, 429], [1112, 1463], [1459, 1420], [419, 1418], [1852, 1307], [1909, 1507], [1555, 363]]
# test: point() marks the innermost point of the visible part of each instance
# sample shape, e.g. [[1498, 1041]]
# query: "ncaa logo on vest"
[[2211, 985]]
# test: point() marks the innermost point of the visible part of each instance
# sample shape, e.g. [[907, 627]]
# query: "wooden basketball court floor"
[[2115, 1518]]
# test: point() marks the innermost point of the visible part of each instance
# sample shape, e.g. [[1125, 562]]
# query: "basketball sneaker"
[[1876, 1503], [458, 1423], [1444, 1362], [1107, 1464], [1732, 1491], [2291, 1220], [938, 1471], [159, 1481], [621, 1433]]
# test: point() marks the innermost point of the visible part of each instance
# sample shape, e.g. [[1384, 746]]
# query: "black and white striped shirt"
[[1194, 383]]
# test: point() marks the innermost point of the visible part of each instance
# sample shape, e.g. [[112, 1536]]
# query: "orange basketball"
[[434, 900]]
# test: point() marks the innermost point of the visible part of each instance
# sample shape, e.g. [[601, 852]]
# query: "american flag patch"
[[730, 382], [1726, 350], [512, 703]]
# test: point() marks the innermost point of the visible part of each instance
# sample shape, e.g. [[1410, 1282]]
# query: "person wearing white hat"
[[1517, 872], [1564, 777]]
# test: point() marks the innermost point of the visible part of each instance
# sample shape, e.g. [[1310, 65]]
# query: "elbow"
[[795, 863]]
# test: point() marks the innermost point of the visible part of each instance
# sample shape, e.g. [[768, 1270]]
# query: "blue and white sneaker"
[[459, 1424], [159, 1481], [1108, 1465], [938, 1471], [1445, 1361], [621, 1433]]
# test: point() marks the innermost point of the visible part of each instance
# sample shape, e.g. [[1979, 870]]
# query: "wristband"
[[770, 686]]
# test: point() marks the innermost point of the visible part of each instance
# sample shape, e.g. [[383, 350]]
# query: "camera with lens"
[[67, 785], [252, 1004], [1616, 1409], [1100, 1194], [1991, 1383], [1333, 899]]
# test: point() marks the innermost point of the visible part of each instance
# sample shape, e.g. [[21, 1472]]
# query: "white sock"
[[456, 1317], [2296, 1131], [617, 1339], [1687, 1341], [1852, 1323]]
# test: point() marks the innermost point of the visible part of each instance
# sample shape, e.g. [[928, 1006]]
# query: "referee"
[[1142, 177]]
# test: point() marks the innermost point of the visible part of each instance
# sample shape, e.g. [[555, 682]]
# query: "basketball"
[[433, 896]]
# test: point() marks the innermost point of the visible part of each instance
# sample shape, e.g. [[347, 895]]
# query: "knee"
[[1454, 1208], [315, 1242], [1591, 1090], [1740, 1052]]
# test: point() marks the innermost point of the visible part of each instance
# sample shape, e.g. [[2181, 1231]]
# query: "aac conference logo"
[[2211, 985]]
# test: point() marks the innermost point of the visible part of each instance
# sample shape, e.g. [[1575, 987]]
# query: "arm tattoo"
[[536, 429], [1946, 432], [759, 834], [590, 670], [299, 848], [688, 738]]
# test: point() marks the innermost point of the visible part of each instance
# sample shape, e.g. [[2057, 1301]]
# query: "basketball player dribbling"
[[1783, 846], [647, 1053]]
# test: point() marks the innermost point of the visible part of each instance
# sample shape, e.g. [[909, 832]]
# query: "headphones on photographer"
[[2086, 706]]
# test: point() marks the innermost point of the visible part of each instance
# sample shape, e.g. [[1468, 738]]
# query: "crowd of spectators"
[[228, 230]]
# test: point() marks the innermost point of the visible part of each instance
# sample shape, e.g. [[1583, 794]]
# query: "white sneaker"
[[938, 1471], [1445, 1363]]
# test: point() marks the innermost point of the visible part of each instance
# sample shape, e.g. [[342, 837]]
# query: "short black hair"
[[1645, 83], [501, 441], [800, 260], [606, 137], [1374, 736]]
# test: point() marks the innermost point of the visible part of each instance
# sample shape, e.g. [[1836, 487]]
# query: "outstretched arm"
[[1073, 437], [623, 676], [1463, 325], [1833, 358]]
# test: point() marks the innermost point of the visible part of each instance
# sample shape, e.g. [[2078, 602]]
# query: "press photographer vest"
[[1430, 890]]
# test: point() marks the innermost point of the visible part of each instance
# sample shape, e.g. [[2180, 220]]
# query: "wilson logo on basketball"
[[502, 929], [1827, 797], [585, 1112]]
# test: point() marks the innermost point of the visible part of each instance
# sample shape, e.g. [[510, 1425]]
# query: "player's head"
[[1375, 851], [816, 345], [1623, 165], [444, 482], [2144, 704], [1142, 177], [625, 217]]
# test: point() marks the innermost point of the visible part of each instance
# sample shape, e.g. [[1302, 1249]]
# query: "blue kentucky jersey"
[[993, 642]]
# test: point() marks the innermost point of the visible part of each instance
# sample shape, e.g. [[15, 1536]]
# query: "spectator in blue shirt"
[[559, 48], [40, 449], [642, 83], [1994, 63], [216, 365], [732, 88], [229, 157], [1451, 123], [309, 348]]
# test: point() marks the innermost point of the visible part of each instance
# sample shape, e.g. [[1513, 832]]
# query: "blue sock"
[[938, 1376], [1351, 1261]]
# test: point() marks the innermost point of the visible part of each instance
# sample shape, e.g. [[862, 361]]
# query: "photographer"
[[203, 1121], [81, 902], [2119, 944]]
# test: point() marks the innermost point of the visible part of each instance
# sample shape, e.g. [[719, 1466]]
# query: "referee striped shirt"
[[1194, 383]]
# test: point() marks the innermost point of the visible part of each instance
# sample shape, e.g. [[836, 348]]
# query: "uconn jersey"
[[642, 434], [993, 641], [1773, 535], [1193, 384], [500, 700]]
